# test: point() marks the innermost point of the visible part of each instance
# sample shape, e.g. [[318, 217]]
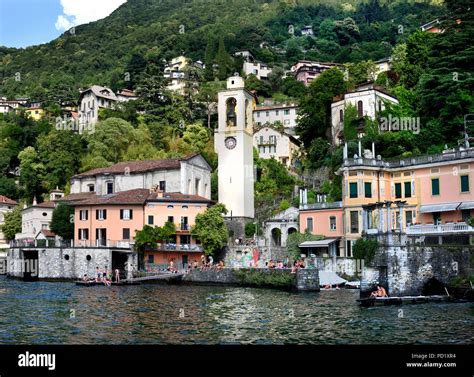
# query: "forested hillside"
[[144, 31]]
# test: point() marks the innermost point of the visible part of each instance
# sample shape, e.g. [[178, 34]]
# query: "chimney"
[[373, 150], [34, 200]]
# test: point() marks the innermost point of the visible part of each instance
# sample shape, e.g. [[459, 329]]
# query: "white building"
[[6, 205], [190, 175], [306, 70], [383, 65], [246, 54], [35, 219], [233, 142], [175, 73], [368, 99], [125, 95], [307, 30], [284, 114], [5, 108], [261, 70], [271, 143], [91, 100], [280, 226]]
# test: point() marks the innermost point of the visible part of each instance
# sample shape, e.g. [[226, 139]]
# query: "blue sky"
[[29, 22]]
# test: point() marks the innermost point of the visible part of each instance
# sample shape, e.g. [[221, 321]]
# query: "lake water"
[[62, 313]]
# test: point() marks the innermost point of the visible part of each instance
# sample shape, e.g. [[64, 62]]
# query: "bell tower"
[[234, 145]]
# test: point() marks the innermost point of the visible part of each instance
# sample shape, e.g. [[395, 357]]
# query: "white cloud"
[[81, 12]]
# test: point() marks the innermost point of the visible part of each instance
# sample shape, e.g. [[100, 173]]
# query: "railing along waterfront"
[[439, 228]]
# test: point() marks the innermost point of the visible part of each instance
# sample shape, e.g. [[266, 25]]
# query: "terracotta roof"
[[138, 197], [132, 167], [126, 93], [76, 197], [49, 204], [5, 200], [48, 233]]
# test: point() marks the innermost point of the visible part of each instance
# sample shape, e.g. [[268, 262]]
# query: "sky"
[[30, 22]]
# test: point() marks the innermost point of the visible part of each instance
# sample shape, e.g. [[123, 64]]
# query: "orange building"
[[421, 197], [112, 221]]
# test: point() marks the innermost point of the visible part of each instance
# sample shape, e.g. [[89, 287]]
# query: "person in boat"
[[379, 292]]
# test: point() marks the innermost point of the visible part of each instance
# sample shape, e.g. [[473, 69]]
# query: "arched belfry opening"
[[231, 112]]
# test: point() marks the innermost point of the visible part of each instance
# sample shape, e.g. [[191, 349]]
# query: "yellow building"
[[35, 112]]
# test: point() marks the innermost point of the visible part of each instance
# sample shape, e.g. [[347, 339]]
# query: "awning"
[[330, 278], [320, 243], [445, 207], [466, 205]]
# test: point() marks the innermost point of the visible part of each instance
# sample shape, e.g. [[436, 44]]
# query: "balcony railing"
[[185, 227], [181, 247], [423, 229], [71, 243]]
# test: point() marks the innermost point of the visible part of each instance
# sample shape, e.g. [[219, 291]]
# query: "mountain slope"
[[98, 53]]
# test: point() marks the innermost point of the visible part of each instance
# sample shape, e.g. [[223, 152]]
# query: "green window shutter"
[[435, 186], [353, 190], [407, 189], [464, 183], [368, 189], [398, 190]]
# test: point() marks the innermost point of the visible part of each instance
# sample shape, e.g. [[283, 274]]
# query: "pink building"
[[112, 221]]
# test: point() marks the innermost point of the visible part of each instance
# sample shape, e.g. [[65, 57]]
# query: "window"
[[91, 188], [354, 221], [353, 190], [184, 207], [332, 223], [184, 223], [408, 217], [258, 114], [349, 248], [398, 190], [101, 214], [341, 116], [170, 206], [171, 219], [360, 109], [151, 220], [435, 186], [436, 217], [407, 189], [84, 214], [110, 187], [309, 224], [286, 112], [464, 183], [163, 186], [151, 258], [126, 214], [368, 189], [83, 234], [197, 185], [126, 233], [267, 113], [277, 112]]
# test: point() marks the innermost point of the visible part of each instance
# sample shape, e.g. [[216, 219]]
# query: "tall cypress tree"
[[209, 60], [224, 60]]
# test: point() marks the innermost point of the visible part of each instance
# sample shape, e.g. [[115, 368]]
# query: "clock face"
[[230, 142]]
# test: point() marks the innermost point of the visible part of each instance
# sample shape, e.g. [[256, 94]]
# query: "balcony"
[[184, 228], [179, 247], [440, 229], [50, 243]]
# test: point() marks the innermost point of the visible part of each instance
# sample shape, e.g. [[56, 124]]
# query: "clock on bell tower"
[[234, 145]]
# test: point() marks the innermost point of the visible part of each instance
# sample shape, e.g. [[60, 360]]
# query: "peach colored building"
[[113, 220], [419, 196], [324, 219]]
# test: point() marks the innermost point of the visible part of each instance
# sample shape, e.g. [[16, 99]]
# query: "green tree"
[[296, 239], [12, 223], [314, 117], [196, 136], [60, 153], [224, 60], [211, 230], [8, 187], [209, 54], [31, 174], [62, 221]]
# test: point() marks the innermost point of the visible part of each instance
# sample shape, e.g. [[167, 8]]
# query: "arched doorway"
[[276, 237], [291, 231]]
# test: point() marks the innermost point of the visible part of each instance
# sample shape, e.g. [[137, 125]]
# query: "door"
[[185, 261]]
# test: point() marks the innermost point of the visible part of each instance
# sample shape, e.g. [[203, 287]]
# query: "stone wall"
[[406, 269], [64, 263], [306, 280], [232, 255], [339, 265]]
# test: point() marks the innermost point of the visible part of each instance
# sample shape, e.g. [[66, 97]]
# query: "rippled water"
[[40, 312]]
